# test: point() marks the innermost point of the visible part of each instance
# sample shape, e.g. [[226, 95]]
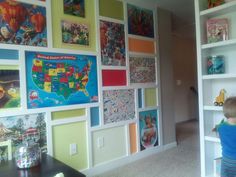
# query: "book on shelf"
[[217, 29]]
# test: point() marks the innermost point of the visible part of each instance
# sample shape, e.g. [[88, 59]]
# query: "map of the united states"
[[61, 78]]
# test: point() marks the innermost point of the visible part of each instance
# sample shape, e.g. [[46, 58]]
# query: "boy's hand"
[[214, 129]]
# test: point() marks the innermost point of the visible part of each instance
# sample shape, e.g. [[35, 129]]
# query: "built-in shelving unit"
[[211, 84]]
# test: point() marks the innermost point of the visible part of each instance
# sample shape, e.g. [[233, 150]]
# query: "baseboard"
[[111, 165]]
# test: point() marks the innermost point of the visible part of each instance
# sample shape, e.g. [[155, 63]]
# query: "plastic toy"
[[219, 101], [214, 3]]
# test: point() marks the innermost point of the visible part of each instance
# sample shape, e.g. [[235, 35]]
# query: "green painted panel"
[[63, 136], [114, 141], [150, 97], [111, 8], [9, 67], [68, 114], [89, 20]]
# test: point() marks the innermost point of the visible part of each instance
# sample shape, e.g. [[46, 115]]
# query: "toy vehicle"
[[219, 101]]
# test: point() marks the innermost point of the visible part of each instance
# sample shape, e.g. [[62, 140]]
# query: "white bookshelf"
[[210, 85]]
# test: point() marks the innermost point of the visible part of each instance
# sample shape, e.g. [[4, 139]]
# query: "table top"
[[48, 167]]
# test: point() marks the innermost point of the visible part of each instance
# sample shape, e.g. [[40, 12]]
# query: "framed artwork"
[[9, 88], [140, 21], [55, 79], [24, 128], [142, 70], [74, 33], [28, 27], [112, 40], [74, 7], [148, 129], [118, 105]]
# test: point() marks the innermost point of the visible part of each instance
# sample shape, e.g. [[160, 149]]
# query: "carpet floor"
[[180, 161]]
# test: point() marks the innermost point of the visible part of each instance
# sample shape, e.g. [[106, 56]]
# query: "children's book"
[[217, 30]]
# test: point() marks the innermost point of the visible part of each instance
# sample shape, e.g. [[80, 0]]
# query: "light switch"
[[73, 148], [100, 142]]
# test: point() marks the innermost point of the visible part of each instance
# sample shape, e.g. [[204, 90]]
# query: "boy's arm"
[[215, 129]]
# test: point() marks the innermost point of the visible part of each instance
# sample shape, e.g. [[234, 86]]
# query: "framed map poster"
[[140, 21], [118, 105], [28, 27], [55, 79], [148, 127], [142, 70]]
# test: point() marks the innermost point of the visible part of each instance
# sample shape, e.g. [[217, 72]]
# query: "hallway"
[[181, 161]]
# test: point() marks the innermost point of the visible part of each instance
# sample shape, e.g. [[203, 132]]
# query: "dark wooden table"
[[48, 167]]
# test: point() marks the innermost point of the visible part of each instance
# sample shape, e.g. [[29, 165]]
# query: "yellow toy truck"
[[220, 99]]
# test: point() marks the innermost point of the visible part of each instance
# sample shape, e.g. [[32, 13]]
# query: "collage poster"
[[75, 33], [28, 27], [74, 7], [148, 127], [140, 21], [9, 88], [118, 105], [112, 39], [55, 79], [20, 129], [142, 70]]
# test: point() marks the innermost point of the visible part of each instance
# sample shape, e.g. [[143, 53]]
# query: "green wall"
[[63, 136]]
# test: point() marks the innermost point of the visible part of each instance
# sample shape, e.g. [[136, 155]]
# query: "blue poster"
[[148, 129], [55, 79]]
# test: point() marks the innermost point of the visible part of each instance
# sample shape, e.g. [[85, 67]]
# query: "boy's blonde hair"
[[229, 107]]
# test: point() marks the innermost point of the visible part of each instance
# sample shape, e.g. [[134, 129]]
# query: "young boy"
[[227, 133]]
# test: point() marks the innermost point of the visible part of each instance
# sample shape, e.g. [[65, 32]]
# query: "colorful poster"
[[142, 70], [112, 39], [55, 79], [148, 128], [22, 23], [74, 33], [118, 105], [21, 129], [9, 88], [74, 7], [140, 21]]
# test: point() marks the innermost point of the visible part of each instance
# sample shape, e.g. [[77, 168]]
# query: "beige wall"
[[184, 72]]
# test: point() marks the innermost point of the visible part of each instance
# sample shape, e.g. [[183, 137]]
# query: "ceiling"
[[183, 18]]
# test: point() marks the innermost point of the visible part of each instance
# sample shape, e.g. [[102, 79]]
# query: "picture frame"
[[29, 27], [57, 79]]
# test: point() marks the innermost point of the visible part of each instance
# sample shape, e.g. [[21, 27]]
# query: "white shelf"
[[219, 10], [219, 44], [209, 85], [212, 137], [219, 76], [212, 108]]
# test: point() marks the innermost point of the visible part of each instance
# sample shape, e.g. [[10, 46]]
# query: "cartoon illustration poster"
[[55, 79], [140, 21], [22, 23], [9, 88], [74, 7], [112, 39], [142, 70], [118, 105], [23, 128], [148, 127], [74, 33]]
